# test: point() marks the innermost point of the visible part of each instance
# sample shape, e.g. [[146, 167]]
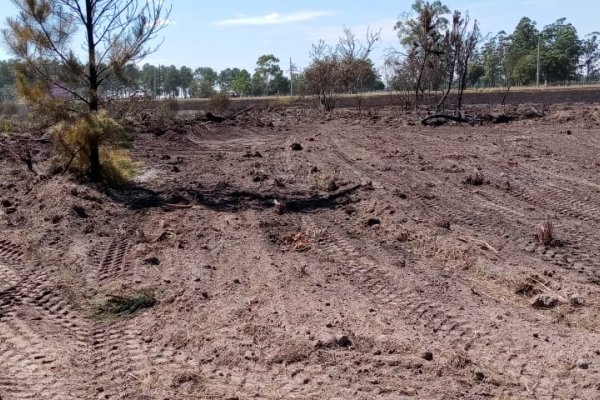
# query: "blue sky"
[[234, 33]]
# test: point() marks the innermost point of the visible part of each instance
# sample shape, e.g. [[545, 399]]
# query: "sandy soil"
[[382, 260]]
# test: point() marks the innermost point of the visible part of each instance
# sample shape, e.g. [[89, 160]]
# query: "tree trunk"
[[95, 167]]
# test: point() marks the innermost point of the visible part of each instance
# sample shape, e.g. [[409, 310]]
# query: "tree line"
[[442, 50], [438, 50], [169, 81]]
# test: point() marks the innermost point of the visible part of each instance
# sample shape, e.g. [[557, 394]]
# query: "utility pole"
[[291, 78], [538, 62]]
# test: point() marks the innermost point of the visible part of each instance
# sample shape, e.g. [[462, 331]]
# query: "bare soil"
[[380, 259]]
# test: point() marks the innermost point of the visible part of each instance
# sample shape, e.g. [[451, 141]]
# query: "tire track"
[[39, 333], [122, 358], [418, 309], [10, 253], [34, 287], [409, 305], [30, 367], [499, 208], [427, 199], [560, 200]]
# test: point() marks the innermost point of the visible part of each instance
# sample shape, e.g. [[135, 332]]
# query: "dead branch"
[[426, 121]]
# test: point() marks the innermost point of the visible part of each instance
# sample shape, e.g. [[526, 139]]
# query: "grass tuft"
[[123, 306], [476, 179], [545, 234]]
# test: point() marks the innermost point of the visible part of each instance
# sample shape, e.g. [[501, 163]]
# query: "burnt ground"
[[379, 260]]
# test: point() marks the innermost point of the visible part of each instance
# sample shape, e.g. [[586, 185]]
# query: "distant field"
[[517, 95]]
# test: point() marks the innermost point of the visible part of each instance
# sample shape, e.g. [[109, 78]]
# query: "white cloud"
[[276, 18]]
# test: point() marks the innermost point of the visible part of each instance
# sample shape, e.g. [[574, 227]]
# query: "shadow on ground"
[[226, 198]]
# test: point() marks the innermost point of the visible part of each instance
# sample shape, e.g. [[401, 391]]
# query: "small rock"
[[336, 342], [152, 261], [479, 376], [427, 356], [343, 341], [373, 221], [544, 301], [80, 211], [583, 364], [297, 146], [569, 132], [6, 203], [576, 300], [237, 281]]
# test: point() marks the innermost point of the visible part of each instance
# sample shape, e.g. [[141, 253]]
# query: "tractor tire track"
[[32, 365], [40, 335], [417, 310], [122, 357]]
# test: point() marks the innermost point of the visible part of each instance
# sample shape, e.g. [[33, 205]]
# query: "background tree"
[[469, 41], [340, 69], [242, 83], [300, 84], [203, 84], [172, 81], [522, 52], [590, 56], [453, 47], [421, 37], [186, 77], [148, 76], [491, 62], [279, 85], [267, 68], [7, 80], [226, 78], [561, 49], [115, 33]]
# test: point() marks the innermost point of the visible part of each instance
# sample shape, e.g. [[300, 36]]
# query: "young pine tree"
[[42, 37]]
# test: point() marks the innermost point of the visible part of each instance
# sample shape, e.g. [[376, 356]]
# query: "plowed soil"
[[379, 260]]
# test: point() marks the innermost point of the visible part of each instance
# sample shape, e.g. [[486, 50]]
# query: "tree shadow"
[[226, 198]]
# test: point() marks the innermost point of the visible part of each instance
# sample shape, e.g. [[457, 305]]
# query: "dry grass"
[[218, 103], [545, 234], [476, 179], [447, 252], [326, 181], [299, 242], [122, 306], [74, 142]]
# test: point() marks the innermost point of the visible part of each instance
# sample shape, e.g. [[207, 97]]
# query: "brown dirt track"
[[380, 274]]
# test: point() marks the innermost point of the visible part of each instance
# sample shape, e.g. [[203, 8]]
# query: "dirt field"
[[379, 260]]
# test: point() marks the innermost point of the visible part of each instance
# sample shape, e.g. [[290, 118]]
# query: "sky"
[[234, 33]]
